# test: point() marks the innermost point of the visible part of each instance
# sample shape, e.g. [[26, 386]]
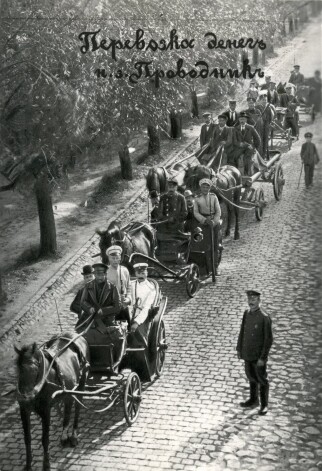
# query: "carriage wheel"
[[279, 181], [132, 398], [289, 139], [192, 280], [259, 198], [161, 347]]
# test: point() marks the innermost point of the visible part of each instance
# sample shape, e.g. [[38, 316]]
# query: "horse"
[[156, 181], [135, 237], [41, 372], [227, 187]]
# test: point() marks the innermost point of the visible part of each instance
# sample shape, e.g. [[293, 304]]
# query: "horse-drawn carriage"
[[68, 369]]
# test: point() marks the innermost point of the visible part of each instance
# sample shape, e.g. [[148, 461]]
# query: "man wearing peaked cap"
[[120, 277], [272, 95], [267, 113], [254, 115], [172, 209], [289, 101], [221, 141], [310, 158], [189, 222], [252, 91], [254, 342], [143, 295], [296, 77], [206, 133], [245, 141]]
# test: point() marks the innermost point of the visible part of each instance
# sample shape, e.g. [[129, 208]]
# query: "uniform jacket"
[[220, 135], [309, 154], [296, 79], [143, 295], [248, 136], [231, 121], [207, 206], [121, 279], [172, 206], [255, 337], [76, 304], [206, 135], [273, 97], [267, 113], [289, 102], [253, 116], [108, 301]]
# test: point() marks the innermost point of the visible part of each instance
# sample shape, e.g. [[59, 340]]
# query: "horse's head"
[[30, 366], [113, 235], [156, 181], [193, 176]]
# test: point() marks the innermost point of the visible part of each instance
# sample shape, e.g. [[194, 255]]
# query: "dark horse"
[[135, 237], [227, 186], [156, 181], [39, 376]]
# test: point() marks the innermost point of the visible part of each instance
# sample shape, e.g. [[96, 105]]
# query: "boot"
[[263, 392], [253, 400]]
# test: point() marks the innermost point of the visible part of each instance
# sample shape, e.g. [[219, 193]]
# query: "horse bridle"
[[121, 241]]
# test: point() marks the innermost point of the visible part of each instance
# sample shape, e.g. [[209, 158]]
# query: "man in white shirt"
[[143, 296], [120, 277]]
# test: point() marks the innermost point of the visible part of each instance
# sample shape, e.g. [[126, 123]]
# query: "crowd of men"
[[239, 134]]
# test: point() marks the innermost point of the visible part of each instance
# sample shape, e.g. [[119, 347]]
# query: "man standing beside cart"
[[208, 213], [172, 210]]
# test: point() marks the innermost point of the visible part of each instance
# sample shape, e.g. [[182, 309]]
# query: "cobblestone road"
[[190, 418]]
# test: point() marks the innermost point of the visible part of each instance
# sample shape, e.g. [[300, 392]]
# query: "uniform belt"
[[207, 215]]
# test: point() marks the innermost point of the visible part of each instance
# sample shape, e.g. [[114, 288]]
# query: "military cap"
[[232, 101], [114, 248], [243, 114], [173, 181], [188, 193], [223, 116], [206, 114], [252, 100], [252, 292], [205, 181], [98, 266], [142, 265], [308, 134], [87, 270]]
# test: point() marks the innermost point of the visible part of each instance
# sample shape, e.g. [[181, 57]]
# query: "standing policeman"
[[172, 209], [253, 346]]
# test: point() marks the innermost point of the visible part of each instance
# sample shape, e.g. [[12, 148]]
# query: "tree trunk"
[[3, 295], [194, 104], [255, 56], [48, 242], [154, 140], [126, 164], [176, 125]]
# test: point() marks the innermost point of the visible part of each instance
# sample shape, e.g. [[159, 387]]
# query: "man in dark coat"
[[100, 297], [272, 95], [310, 158], [288, 100], [88, 274], [254, 342], [265, 85], [172, 209], [231, 114], [315, 85], [222, 136], [267, 113], [296, 77], [206, 133], [245, 140]]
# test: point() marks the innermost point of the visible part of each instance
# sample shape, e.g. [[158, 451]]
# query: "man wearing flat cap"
[[231, 114], [267, 113], [245, 140], [207, 211], [102, 298], [296, 77], [310, 158], [254, 342], [288, 101], [206, 133], [172, 209], [88, 274], [143, 295], [221, 141]]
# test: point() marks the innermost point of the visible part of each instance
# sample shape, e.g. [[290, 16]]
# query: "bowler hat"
[[252, 292], [308, 134], [87, 270], [100, 266]]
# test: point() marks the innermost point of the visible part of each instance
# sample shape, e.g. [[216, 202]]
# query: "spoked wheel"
[[132, 398], [192, 280], [260, 203], [161, 347], [289, 139], [279, 181]]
